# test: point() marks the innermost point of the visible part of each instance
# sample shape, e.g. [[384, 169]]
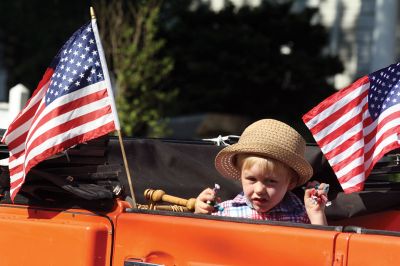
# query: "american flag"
[[73, 103], [357, 125]]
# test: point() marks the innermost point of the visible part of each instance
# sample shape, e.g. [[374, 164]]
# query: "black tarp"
[[185, 168], [181, 168]]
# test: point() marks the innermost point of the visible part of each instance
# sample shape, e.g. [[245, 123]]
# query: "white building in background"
[[17, 99], [363, 33]]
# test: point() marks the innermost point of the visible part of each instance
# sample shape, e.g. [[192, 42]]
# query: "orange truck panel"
[[341, 244], [32, 236], [374, 250], [39, 236], [172, 240], [104, 230]]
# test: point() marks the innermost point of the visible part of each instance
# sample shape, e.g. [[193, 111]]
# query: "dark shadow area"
[[79, 178], [362, 203]]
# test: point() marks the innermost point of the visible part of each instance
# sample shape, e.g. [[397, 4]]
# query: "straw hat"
[[267, 138]]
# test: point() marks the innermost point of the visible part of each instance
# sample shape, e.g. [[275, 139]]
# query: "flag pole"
[[128, 175]]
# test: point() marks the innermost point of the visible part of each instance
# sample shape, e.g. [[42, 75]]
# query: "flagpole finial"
[[92, 14]]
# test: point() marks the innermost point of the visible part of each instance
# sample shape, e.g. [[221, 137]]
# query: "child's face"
[[264, 190]]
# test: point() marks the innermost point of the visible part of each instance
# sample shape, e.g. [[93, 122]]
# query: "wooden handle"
[[159, 195], [174, 208]]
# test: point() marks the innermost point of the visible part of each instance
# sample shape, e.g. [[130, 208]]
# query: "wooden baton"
[[159, 195]]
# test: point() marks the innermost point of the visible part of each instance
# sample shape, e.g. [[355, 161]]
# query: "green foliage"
[[231, 61], [134, 50]]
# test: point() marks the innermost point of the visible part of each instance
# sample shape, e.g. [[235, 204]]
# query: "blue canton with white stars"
[[384, 90], [76, 65]]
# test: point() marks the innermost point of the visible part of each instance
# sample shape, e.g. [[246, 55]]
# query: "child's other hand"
[[315, 196], [201, 206], [315, 199]]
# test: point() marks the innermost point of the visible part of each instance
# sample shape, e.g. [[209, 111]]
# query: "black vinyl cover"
[[185, 168], [180, 168]]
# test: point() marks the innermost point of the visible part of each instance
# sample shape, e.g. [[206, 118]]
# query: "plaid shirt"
[[290, 209]]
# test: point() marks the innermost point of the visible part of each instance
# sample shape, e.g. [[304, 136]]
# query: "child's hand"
[[315, 199], [201, 206], [316, 196]]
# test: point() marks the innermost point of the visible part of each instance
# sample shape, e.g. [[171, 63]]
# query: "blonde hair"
[[268, 165]]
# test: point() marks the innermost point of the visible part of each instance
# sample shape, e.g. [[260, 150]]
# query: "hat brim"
[[225, 160]]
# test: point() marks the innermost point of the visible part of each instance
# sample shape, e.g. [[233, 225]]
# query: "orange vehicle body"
[[39, 236], [32, 234]]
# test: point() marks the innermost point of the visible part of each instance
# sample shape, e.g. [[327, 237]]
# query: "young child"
[[269, 160]]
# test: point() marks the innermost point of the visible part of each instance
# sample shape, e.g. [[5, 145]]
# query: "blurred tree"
[[129, 29], [264, 61]]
